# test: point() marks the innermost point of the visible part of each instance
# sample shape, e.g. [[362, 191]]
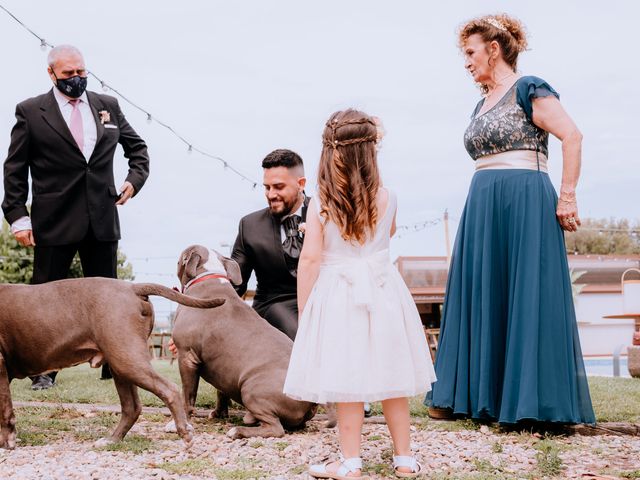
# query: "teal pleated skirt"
[[509, 347]]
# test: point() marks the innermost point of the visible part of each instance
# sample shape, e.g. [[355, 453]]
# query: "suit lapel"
[[96, 105], [53, 117], [277, 240]]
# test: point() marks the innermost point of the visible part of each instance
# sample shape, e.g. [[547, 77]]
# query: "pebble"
[[455, 453]]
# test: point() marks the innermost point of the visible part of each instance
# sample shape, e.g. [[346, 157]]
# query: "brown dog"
[[64, 323], [233, 349]]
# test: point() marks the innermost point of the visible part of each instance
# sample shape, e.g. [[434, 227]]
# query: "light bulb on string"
[[190, 149], [43, 44], [225, 165], [149, 118], [104, 86]]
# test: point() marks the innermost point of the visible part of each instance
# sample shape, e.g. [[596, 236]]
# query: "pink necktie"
[[76, 124]]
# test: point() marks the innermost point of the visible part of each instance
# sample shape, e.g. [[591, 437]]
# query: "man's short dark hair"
[[282, 158]]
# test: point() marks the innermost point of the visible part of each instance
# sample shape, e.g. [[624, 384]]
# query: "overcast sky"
[[239, 79]]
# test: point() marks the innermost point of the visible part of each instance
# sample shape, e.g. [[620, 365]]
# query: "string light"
[[44, 44], [416, 227]]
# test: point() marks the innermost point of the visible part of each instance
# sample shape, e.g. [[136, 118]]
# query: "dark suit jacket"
[[69, 193], [258, 248]]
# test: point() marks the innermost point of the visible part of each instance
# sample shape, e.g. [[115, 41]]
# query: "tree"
[[16, 262], [605, 237]]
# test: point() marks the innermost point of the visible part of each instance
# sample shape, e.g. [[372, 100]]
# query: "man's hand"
[[172, 348], [25, 238], [126, 192]]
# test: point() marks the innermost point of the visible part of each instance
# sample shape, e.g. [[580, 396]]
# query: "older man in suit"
[[66, 139], [269, 241]]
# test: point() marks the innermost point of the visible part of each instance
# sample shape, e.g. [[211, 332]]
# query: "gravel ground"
[[445, 450]]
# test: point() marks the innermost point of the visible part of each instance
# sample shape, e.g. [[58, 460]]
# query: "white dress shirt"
[[89, 129], [298, 212], [90, 132]]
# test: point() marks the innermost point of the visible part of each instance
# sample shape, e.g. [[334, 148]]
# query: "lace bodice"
[[508, 124]]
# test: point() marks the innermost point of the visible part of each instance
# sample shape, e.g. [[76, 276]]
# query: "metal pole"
[[616, 359], [446, 235]]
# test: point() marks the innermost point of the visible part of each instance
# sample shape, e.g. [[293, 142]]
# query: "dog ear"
[[233, 270], [191, 264]]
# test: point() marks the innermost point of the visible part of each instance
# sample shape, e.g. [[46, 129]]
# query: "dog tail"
[[145, 289]]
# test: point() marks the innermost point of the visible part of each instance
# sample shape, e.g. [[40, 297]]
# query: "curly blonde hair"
[[348, 176], [508, 31]]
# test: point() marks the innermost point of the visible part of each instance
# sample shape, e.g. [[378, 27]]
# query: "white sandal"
[[408, 462], [348, 465]]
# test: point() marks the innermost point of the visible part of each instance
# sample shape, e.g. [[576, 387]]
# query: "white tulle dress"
[[360, 338]]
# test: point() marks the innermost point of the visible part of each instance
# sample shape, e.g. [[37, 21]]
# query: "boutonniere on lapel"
[[302, 228], [105, 117]]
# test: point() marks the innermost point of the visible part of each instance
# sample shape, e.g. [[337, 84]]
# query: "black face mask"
[[72, 87]]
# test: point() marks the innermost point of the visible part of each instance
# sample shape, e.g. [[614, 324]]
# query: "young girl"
[[359, 338]]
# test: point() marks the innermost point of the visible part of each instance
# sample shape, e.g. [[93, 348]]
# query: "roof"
[[427, 276]]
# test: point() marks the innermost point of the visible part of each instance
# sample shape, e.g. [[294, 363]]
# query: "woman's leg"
[[396, 413]]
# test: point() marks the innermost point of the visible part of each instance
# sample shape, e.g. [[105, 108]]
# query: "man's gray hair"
[[60, 50]]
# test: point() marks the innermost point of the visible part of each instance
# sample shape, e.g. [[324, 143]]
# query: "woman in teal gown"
[[509, 349]]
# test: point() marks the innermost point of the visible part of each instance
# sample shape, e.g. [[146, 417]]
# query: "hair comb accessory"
[[351, 141], [496, 23]]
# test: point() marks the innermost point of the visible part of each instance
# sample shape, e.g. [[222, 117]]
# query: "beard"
[[282, 207]]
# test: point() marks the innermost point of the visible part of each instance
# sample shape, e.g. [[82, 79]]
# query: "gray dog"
[[233, 349], [64, 323]]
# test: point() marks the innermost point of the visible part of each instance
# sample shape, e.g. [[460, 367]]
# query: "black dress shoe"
[[106, 372], [41, 382]]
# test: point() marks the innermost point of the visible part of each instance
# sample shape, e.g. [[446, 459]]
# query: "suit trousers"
[[98, 259], [283, 315]]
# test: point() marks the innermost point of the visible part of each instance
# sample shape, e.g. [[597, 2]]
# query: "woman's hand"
[[567, 211]]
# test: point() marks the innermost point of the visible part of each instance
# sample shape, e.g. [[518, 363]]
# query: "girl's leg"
[[350, 418], [396, 413]]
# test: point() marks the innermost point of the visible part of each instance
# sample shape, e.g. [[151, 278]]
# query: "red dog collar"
[[202, 279]]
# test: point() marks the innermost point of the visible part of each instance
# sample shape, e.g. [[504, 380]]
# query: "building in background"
[[597, 292]]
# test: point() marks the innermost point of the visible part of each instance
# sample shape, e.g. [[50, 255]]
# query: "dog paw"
[[171, 427], [103, 442], [188, 439], [219, 414], [249, 419], [8, 445]]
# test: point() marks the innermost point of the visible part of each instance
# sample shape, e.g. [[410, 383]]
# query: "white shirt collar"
[[64, 100], [297, 212]]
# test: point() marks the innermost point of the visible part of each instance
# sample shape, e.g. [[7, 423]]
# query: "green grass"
[[41, 425], [131, 443], [548, 458], [614, 399], [80, 384], [631, 474], [382, 470], [194, 466]]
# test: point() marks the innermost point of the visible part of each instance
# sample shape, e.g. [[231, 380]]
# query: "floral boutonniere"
[[105, 117], [302, 228]]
